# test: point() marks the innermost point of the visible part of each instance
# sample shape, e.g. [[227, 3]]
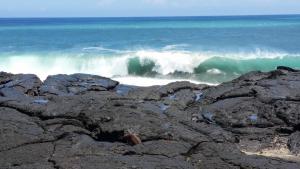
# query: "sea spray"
[[201, 66]]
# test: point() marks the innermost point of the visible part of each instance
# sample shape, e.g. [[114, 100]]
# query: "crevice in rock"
[[87, 123], [50, 160], [283, 118], [133, 153], [293, 99], [98, 134], [5, 82], [154, 138], [32, 92], [28, 113], [196, 130], [38, 142], [66, 121], [55, 166], [272, 101], [193, 149], [285, 130], [44, 118], [252, 93], [296, 127], [114, 136]]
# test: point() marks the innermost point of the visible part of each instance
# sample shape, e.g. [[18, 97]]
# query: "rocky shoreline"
[[86, 122]]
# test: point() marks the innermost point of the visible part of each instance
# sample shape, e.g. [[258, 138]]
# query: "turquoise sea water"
[[202, 49]]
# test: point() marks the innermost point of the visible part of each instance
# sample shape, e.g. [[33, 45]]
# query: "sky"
[[125, 8]]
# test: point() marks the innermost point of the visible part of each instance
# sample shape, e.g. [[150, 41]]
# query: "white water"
[[145, 81], [166, 62]]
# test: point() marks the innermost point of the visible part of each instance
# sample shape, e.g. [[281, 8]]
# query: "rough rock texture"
[[85, 121]]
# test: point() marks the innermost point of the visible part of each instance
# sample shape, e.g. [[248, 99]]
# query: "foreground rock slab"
[[87, 121]]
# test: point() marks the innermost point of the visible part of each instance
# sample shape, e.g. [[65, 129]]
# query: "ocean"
[[151, 50]]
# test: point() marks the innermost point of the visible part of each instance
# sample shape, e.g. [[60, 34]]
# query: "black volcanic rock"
[[294, 142], [64, 85], [15, 86], [287, 68], [87, 121]]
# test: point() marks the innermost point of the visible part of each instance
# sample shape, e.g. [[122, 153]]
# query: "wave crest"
[[202, 66]]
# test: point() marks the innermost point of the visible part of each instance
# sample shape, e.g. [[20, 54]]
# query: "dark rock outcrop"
[[64, 85], [294, 142], [86, 121], [16, 86]]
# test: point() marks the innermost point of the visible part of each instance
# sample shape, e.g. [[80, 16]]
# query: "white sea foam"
[[44, 66], [145, 81], [214, 71], [103, 49], [166, 62], [175, 46], [170, 61]]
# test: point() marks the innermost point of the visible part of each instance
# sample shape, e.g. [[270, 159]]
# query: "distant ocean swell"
[[202, 67]]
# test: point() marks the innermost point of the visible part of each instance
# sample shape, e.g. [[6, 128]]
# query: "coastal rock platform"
[[85, 121]]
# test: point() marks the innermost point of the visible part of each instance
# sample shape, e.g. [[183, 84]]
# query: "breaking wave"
[[203, 66]]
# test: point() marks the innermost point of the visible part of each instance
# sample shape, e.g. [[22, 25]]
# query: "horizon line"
[[163, 16]]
